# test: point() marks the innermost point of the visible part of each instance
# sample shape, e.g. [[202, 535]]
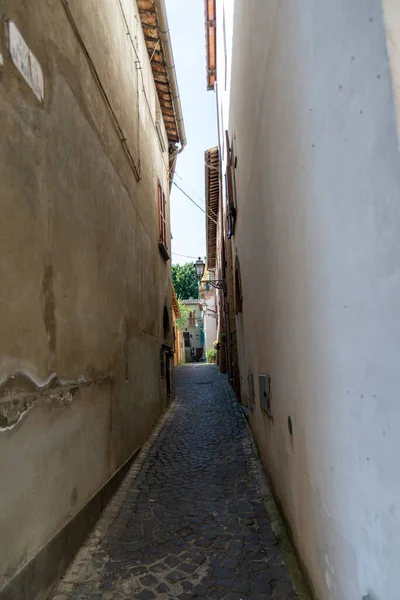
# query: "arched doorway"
[[167, 351]]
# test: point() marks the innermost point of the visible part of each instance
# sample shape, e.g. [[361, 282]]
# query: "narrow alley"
[[189, 521]]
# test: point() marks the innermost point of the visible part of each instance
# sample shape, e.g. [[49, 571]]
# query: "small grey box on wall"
[[264, 386]]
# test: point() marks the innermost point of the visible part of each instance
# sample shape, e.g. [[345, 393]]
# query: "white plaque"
[[25, 61]]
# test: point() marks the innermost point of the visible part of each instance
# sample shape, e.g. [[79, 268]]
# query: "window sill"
[[163, 250]]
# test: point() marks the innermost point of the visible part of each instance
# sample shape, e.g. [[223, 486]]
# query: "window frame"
[[162, 221], [230, 191]]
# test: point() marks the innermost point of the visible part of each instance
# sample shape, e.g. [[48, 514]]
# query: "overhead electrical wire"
[[190, 198], [195, 203], [183, 255], [208, 212], [139, 67], [123, 138]]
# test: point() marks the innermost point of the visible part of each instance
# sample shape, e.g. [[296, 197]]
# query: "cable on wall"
[[128, 33], [93, 69]]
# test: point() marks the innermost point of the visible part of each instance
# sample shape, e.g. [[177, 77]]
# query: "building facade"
[[221, 202], [91, 127], [179, 348], [308, 107], [193, 333], [208, 299]]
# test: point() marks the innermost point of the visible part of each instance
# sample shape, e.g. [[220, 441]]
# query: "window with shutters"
[[162, 223]]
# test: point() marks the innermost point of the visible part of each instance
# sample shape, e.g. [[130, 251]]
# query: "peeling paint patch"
[[79, 381], [12, 411], [25, 382], [15, 408], [61, 397], [20, 393], [1, 60]]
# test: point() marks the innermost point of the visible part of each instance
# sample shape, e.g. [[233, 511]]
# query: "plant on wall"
[[211, 355], [181, 323]]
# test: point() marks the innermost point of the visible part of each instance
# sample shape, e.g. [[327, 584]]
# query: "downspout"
[[170, 65]]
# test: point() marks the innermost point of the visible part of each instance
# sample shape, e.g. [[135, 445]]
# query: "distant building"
[[179, 350], [208, 299], [193, 333]]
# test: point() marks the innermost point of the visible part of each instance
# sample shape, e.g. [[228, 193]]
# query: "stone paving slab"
[[189, 521]]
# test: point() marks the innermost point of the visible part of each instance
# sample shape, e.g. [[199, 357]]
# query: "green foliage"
[[181, 323], [211, 355], [185, 281]]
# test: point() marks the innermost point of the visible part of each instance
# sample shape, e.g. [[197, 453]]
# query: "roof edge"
[[170, 64]]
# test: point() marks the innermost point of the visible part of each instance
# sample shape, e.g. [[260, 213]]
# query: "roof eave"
[[211, 42], [212, 204], [154, 22]]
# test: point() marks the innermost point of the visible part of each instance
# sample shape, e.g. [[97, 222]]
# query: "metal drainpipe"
[[169, 59]]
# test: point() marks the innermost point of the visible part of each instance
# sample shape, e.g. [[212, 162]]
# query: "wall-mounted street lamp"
[[219, 284], [199, 265]]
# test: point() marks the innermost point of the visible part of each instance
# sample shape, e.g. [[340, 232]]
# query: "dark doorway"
[[166, 322]]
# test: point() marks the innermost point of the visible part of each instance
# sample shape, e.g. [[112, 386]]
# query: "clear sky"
[[186, 23]]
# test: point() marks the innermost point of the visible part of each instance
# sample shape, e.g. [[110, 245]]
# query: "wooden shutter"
[[230, 198], [162, 221]]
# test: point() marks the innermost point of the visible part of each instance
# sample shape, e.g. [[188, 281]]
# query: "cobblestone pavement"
[[189, 520]]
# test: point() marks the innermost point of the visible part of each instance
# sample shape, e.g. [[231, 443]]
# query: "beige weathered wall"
[[83, 284], [318, 188], [179, 356]]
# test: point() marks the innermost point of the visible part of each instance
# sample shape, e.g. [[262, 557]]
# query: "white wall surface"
[[318, 237], [193, 330], [210, 319]]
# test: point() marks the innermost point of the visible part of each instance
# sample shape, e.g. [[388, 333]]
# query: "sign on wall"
[[25, 61]]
